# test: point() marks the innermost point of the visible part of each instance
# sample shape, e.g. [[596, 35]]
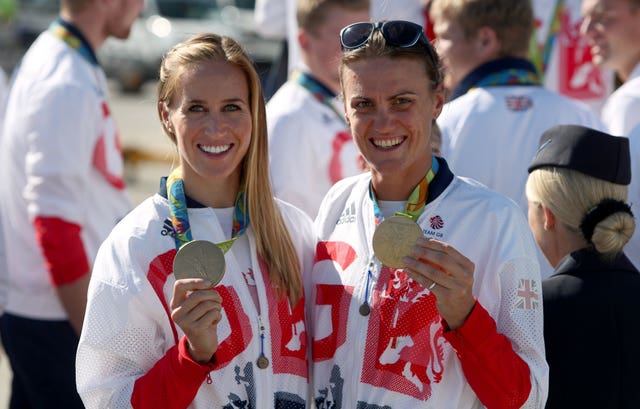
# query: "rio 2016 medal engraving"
[[394, 238], [199, 259]]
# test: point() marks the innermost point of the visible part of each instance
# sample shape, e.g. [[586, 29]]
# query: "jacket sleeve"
[[173, 382], [501, 345], [498, 376], [129, 354], [63, 250]]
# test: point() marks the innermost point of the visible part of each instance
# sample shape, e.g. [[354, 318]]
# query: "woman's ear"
[[549, 219], [439, 101], [163, 111], [346, 114]]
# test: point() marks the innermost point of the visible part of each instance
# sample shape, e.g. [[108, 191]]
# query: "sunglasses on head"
[[397, 33]]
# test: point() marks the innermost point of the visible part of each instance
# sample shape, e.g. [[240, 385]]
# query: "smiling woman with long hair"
[[196, 298]]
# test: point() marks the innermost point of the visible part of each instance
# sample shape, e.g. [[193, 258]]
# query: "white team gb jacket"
[[128, 328], [397, 357]]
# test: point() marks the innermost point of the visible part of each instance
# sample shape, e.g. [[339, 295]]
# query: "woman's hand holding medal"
[[197, 309], [398, 243], [434, 262]]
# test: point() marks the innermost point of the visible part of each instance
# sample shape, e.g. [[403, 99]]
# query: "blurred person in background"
[[633, 247], [411, 308], [580, 217], [499, 107], [156, 334], [63, 193], [277, 19], [4, 94], [612, 30], [7, 12], [561, 54], [310, 147], [4, 284]]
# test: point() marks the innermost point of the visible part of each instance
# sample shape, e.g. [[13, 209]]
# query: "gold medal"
[[394, 238], [199, 259], [262, 362]]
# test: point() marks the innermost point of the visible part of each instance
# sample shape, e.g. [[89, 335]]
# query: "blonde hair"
[[512, 20], [570, 195], [274, 243], [377, 47]]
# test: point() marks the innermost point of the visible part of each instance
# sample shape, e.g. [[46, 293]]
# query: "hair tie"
[[598, 213]]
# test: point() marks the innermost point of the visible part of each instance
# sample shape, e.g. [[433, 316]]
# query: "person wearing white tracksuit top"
[[129, 329], [560, 54], [612, 30], [63, 192], [498, 108], [310, 147], [4, 91], [621, 111], [156, 336], [452, 319]]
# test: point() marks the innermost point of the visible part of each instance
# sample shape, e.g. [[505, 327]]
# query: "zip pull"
[[365, 308], [262, 360]]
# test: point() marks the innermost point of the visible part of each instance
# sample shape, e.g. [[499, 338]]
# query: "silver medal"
[[199, 259]]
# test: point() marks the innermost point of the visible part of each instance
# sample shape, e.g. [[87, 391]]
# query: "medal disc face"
[[394, 238], [199, 259]]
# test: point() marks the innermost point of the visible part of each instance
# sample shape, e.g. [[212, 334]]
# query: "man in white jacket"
[[310, 147], [62, 194], [562, 55], [612, 29], [498, 108], [3, 266]]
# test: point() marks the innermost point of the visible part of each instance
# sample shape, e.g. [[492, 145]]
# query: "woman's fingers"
[[194, 302], [447, 273]]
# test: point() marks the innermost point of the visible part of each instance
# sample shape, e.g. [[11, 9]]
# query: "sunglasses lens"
[[401, 33], [355, 35]]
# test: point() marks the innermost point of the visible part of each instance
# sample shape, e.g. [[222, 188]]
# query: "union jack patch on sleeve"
[[528, 297]]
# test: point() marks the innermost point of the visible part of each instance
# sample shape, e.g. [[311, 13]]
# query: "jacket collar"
[[588, 260], [518, 71]]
